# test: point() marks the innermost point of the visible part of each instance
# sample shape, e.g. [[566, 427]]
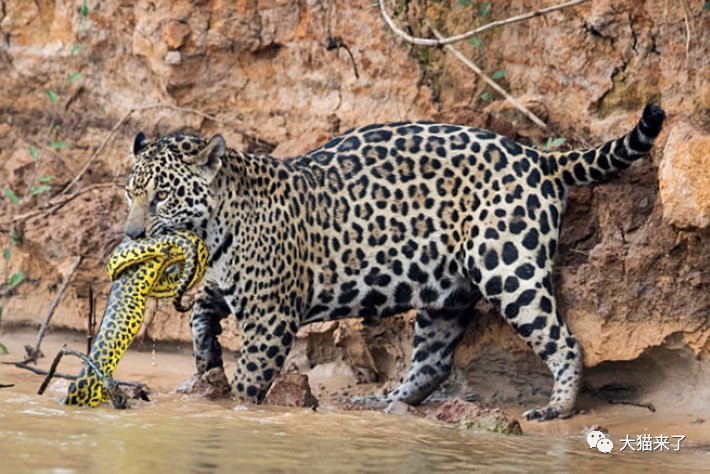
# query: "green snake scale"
[[160, 267]]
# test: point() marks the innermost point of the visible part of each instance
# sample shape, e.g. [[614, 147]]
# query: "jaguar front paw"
[[546, 413]]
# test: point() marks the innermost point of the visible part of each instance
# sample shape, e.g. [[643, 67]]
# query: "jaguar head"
[[169, 186]]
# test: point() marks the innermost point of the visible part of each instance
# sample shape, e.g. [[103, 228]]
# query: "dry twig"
[[454, 39], [444, 41], [471, 65], [91, 323], [688, 29], [649, 406], [33, 353], [52, 370], [121, 122], [59, 375], [58, 202], [35, 370], [119, 400], [61, 199], [335, 43]]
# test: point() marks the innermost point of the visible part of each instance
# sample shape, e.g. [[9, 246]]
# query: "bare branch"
[[51, 371], [454, 39], [119, 400], [33, 353], [57, 375], [335, 43], [57, 202], [91, 323], [649, 406], [470, 64]]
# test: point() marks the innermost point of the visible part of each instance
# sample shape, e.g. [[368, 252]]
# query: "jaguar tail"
[[597, 164]]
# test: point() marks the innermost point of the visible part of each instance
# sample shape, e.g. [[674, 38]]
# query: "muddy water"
[[173, 433]]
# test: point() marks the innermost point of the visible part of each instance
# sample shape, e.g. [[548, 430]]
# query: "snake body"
[[160, 267]]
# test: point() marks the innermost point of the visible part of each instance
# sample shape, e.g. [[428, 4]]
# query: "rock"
[[332, 375], [291, 390], [684, 177], [136, 392], [173, 58], [471, 416], [401, 408], [211, 385], [175, 33]]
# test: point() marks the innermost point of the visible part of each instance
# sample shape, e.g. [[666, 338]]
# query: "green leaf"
[[16, 279], [34, 153], [14, 238], [498, 75], [7, 253], [553, 143], [75, 77], [52, 95], [3, 349], [485, 96], [76, 48], [477, 42], [58, 145], [706, 6], [84, 9], [40, 189], [46, 179], [10, 194], [557, 142], [465, 3], [484, 9]]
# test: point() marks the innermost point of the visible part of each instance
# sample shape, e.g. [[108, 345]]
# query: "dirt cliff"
[[632, 273]]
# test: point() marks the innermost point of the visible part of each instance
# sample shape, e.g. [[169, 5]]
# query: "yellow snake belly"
[[160, 267]]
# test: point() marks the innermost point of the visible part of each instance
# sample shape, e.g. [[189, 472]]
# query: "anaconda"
[[160, 267]]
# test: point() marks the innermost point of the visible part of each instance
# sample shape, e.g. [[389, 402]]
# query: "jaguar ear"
[[139, 143], [209, 159]]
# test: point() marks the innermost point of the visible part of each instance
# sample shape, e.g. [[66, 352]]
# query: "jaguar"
[[378, 221]]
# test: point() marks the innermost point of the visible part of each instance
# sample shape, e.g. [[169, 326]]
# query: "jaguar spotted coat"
[[375, 222]]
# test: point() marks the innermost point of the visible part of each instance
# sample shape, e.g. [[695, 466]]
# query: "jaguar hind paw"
[[371, 402]]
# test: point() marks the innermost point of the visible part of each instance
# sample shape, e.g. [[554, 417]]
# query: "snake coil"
[[161, 267]]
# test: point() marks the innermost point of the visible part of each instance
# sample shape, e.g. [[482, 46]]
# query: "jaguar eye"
[[161, 195]]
